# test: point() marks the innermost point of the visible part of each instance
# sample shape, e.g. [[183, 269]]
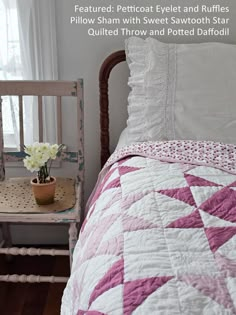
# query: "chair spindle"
[[40, 117], [21, 121]]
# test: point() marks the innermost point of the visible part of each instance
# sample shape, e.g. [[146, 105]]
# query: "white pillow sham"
[[181, 91], [123, 139]]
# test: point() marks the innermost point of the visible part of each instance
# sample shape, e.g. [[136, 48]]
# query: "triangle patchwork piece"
[[131, 223], [123, 160], [81, 312], [97, 233], [144, 207], [104, 183], [127, 169], [233, 185], [227, 265], [218, 236], [213, 221], [215, 288], [183, 194], [135, 292], [201, 194], [110, 175], [113, 246], [130, 199], [116, 273], [213, 175], [222, 205], [113, 184], [198, 181], [192, 220]]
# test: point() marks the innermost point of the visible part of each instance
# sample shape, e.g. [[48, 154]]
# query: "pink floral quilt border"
[[206, 153]]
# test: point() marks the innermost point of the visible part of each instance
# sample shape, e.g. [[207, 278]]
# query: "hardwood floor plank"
[[35, 299], [32, 299], [37, 292], [3, 286], [14, 301], [13, 291], [55, 292]]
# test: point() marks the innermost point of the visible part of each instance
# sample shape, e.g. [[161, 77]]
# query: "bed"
[[160, 232]]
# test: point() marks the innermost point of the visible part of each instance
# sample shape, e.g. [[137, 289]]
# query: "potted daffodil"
[[39, 157]]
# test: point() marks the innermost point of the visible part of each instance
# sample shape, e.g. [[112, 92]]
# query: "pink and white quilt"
[[160, 234]]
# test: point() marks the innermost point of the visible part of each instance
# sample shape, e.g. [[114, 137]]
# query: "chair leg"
[[6, 234], [73, 236], [7, 238]]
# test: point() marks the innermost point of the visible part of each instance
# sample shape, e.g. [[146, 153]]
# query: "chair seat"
[[17, 201]]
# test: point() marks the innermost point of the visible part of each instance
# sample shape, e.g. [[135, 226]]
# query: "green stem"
[[50, 165], [43, 174]]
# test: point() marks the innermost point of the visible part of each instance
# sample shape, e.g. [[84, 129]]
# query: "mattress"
[[160, 234]]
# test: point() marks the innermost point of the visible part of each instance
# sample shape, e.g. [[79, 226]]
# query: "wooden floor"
[[32, 299]]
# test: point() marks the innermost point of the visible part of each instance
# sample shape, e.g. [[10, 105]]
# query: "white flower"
[[41, 158], [29, 149], [53, 151], [31, 164], [43, 147]]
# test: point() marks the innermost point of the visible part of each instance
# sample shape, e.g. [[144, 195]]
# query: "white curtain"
[[38, 59], [10, 66]]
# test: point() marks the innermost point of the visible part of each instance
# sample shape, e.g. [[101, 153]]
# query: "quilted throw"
[[160, 234]]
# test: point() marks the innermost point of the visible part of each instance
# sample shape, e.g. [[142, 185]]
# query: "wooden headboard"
[[109, 63]]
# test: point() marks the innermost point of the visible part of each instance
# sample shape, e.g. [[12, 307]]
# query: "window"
[[10, 67], [28, 52]]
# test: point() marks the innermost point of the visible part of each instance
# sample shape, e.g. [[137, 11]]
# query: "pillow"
[[181, 91], [123, 139]]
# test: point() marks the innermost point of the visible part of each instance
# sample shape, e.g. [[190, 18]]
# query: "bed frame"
[[109, 63]]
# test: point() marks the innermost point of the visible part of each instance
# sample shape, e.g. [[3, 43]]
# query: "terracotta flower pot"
[[44, 193]]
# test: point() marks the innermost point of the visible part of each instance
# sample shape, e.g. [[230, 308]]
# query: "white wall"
[[80, 56]]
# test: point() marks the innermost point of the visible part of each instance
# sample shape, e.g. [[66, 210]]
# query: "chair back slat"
[[21, 121], [2, 169], [40, 117], [59, 120], [36, 88], [80, 134]]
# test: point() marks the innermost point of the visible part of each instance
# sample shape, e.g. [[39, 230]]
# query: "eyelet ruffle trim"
[[152, 81]]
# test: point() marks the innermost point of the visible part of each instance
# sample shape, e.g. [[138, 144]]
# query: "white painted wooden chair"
[[71, 216]]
